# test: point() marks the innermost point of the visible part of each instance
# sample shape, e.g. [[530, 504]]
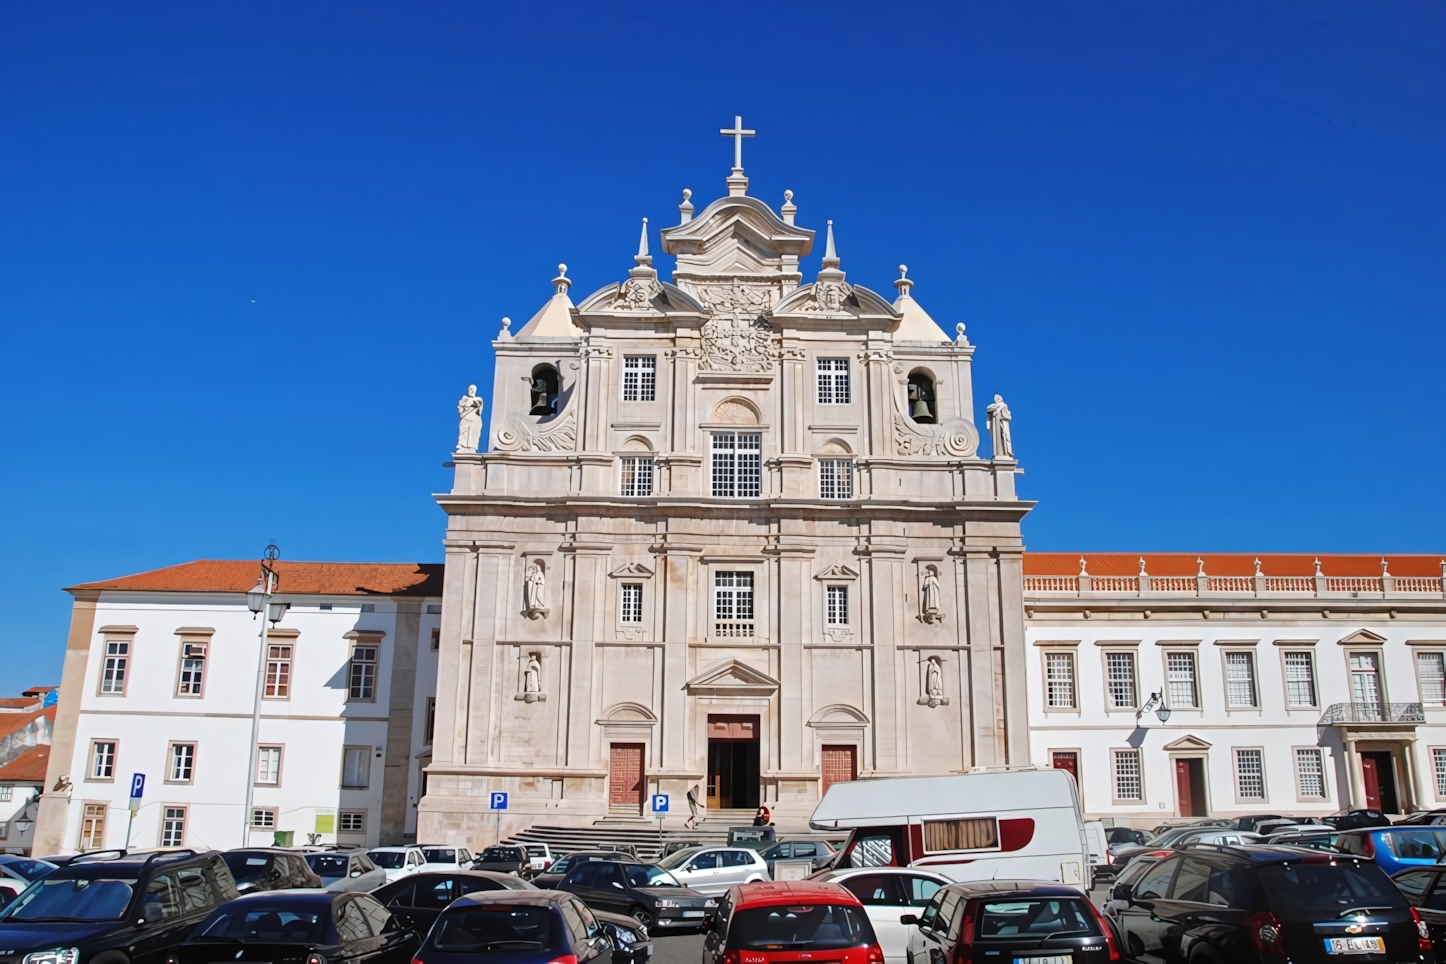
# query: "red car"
[[789, 921]]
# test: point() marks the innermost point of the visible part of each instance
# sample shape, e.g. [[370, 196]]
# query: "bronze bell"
[[921, 409]]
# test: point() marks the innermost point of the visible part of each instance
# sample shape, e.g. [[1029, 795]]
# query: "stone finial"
[[506, 324], [1082, 570], [903, 283], [1199, 566], [1317, 567], [1142, 565], [642, 256], [1384, 571], [737, 183], [685, 210], [562, 282], [830, 255], [789, 209], [1257, 566], [959, 334]]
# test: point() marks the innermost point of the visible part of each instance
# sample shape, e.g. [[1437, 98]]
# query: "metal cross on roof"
[[737, 133]]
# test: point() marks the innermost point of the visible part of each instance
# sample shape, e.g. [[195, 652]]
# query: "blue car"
[[516, 927], [1396, 848]]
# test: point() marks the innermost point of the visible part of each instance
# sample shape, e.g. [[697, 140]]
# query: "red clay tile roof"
[[29, 765], [297, 578], [1226, 564], [21, 702]]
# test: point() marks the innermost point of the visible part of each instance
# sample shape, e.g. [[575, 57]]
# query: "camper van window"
[[977, 833], [876, 847]]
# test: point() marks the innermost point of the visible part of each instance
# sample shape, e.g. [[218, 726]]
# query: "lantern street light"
[[1156, 702], [259, 601]]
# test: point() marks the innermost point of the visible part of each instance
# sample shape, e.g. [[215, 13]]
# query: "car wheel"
[[641, 915], [755, 879], [1203, 954], [110, 957], [1137, 947]]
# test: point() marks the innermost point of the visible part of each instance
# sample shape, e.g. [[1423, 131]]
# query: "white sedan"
[[398, 861], [887, 894]]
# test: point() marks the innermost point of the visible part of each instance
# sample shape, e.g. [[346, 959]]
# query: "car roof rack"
[[169, 854], [101, 855]]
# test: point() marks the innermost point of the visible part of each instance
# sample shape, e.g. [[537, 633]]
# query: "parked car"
[[673, 846], [1424, 890], [24, 869], [1251, 821], [516, 927], [418, 899], [334, 927], [1396, 848], [888, 893], [1117, 897], [1182, 837], [1319, 838], [539, 856], [817, 851], [1126, 836], [269, 868], [989, 921], [712, 870], [503, 859], [565, 863], [340, 871], [398, 861], [1356, 819], [1259, 905], [1426, 818], [630, 939], [446, 858], [1269, 828], [791, 920], [650, 895], [128, 908]]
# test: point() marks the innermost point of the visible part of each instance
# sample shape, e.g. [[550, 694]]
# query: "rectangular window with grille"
[[173, 826], [263, 818], [7, 794], [183, 762], [193, 669], [1431, 671], [1240, 679], [835, 478], [1249, 775], [1181, 690], [1120, 680], [356, 767], [1438, 765], [1059, 680], [640, 378], [363, 673], [92, 827], [637, 476], [268, 766], [1309, 773], [113, 673], [833, 381], [976, 833], [352, 821], [278, 672], [102, 760], [1300, 677], [838, 605], [632, 602], [737, 465], [1129, 784], [733, 604]]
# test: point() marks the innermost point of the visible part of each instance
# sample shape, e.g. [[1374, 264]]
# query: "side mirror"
[[356, 872], [1122, 892], [151, 913], [909, 919]]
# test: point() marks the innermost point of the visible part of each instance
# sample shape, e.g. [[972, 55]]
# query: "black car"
[[516, 927], [131, 909], [300, 927], [1358, 819], [1426, 892], [649, 895], [631, 943], [1266, 904], [997, 921], [418, 899], [1424, 818], [564, 864], [1251, 821], [269, 868]]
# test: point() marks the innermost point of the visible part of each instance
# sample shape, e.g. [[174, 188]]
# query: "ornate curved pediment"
[[732, 677], [634, 713], [835, 573], [838, 300], [839, 714], [632, 570]]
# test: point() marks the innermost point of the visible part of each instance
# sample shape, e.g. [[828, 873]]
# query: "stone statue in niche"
[[999, 419], [532, 680], [929, 610], [933, 684], [534, 592], [469, 428]]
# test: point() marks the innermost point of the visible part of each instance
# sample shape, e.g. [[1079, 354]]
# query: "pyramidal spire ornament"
[[642, 286], [830, 292], [903, 284], [562, 282], [642, 256]]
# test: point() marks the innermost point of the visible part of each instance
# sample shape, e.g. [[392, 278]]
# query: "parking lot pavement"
[[677, 949]]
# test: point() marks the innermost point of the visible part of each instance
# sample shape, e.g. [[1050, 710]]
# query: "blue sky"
[[251, 253]]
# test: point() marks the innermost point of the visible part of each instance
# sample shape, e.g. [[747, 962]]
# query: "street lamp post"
[[258, 600], [1156, 702]]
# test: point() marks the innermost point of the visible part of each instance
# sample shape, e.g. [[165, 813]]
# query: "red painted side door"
[[839, 765], [625, 774], [1371, 781], [1183, 790]]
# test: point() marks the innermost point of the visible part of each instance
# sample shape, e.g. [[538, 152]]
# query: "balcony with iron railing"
[[1345, 714], [1259, 585]]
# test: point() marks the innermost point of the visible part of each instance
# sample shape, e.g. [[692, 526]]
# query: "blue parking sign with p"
[[499, 800], [138, 785], [660, 803]]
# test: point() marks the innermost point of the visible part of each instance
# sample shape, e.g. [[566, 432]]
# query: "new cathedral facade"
[[730, 533]]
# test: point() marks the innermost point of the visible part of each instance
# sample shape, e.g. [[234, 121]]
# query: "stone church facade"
[[729, 533]]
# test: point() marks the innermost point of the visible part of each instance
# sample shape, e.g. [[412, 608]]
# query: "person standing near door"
[[692, 822]]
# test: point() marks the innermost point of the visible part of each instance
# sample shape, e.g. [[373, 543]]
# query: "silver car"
[[346, 871], [712, 870]]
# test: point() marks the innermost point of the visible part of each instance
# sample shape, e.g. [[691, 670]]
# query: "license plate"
[[1355, 945], [692, 913], [1057, 959]]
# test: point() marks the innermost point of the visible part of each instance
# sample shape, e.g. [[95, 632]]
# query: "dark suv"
[[1264, 905], [128, 909]]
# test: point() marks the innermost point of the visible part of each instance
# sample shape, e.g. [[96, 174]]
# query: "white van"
[[1016, 824]]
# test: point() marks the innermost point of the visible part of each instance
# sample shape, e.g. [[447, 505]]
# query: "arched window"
[[544, 390], [923, 407]]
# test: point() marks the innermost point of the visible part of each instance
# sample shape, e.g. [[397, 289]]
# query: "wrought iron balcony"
[[1338, 714]]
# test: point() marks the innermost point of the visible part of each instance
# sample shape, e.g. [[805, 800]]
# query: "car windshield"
[[247, 868], [500, 855], [390, 859], [1328, 889], [677, 858], [439, 855], [1039, 916], [27, 869], [73, 898], [327, 865], [496, 927], [641, 875], [1417, 844], [269, 923], [805, 925]]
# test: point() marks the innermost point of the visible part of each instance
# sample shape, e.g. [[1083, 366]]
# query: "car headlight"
[[663, 902], [56, 955], [624, 936]]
